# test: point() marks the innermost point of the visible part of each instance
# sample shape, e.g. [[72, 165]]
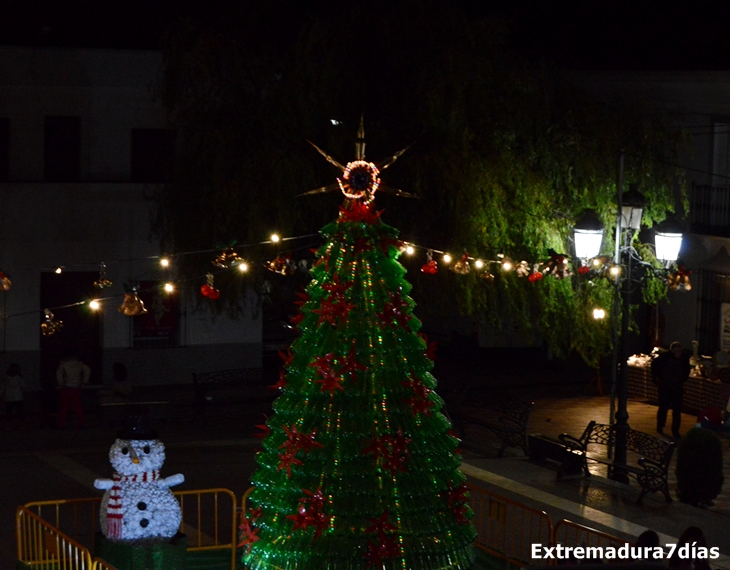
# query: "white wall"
[[103, 218]]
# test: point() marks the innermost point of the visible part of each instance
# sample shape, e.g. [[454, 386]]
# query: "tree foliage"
[[507, 152]]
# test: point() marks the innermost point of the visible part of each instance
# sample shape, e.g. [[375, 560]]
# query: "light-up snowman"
[[137, 502]]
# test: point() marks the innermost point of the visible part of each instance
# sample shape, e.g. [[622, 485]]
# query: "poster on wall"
[[159, 327], [725, 327]]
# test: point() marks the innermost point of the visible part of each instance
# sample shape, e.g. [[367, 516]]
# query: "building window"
[[62, 149], [714, 291], [160, 326], [4, 149], [151, 156]]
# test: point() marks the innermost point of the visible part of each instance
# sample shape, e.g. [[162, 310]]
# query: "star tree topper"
[[360, 179]]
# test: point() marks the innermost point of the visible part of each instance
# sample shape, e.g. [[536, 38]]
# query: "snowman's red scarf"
[[114, 514]]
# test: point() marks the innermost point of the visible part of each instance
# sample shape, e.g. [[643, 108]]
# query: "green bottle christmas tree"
[[358, 468]]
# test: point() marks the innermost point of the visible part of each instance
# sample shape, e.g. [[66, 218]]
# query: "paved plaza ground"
[[217, 450]]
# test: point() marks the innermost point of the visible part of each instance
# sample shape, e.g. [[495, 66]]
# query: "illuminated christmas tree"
[[358, 467]]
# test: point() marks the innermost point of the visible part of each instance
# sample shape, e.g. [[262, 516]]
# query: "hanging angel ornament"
[[522, 269], [50, 326], [102, 282], [281, 264], [557, 265]]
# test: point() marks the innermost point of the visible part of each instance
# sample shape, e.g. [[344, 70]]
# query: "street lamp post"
[[631, 207], [587, 235]]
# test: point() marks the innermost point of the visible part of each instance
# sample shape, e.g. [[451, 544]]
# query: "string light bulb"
[[507, 265], [615, 271], [599, 314], [94, 305], [58, 270], [410, 249], [275, 238], [168, 287], [478, 264], [242, 267], [447, 258], [164, 262]]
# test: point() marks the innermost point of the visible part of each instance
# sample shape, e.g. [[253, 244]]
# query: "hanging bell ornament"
[[462, 266], [282, 265], [50, 326], [102, 282], [132, 305], [227, 258], [487, 276], [679, 280], [5, 283]]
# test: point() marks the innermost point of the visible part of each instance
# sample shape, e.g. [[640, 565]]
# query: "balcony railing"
[[710, 210]]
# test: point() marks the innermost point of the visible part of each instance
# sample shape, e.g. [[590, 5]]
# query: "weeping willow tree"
[[507, 152]]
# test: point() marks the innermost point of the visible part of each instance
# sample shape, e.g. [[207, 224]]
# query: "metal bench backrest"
[[646, 445]]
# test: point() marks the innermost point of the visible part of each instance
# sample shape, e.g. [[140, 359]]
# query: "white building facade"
[[698, 102], [83, 150]]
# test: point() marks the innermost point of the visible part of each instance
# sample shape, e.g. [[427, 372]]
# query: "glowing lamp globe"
[[668, 246], [587, 243], [588, 235], [668, 240]]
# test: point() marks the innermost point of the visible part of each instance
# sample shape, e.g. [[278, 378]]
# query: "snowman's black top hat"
[[137, 426]]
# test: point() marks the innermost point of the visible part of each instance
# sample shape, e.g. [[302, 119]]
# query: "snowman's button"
[[141, 505], [144, 523]]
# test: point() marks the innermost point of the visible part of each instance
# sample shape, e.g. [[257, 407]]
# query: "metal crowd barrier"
[[50, 533], [205, 532], [99, 564], [569, 533], [507, 529], [43, 547], [209, 520]]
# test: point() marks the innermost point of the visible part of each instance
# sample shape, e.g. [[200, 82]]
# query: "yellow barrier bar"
[[202, 514], [505, 528], [569, 533], [42, 546], [99, 564]]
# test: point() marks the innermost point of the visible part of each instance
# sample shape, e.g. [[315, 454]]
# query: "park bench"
[[647, 460], [506, 417], [226, 386]]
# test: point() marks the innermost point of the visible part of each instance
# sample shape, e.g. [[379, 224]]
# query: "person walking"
[[13, 389], [71, 376], [670, 371]]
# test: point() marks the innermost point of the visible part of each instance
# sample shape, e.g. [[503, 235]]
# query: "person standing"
[[71, 376], [13, 388], [670, 371]]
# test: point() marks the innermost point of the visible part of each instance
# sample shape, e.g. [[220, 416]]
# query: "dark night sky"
[[588, 34]]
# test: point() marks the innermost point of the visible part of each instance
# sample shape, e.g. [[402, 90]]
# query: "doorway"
[[81, 332]]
